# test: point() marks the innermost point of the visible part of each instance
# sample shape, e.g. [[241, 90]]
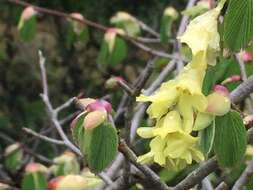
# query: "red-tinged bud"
[[248, 120], [221, 90], [107, 106], [112, 82], [233, 78], [69, 182], [94, 119], [246, 56], [77, 26], [77, 16], [27, 13], [101, 105], [35, 167], [96, 106], [218, 101], [84, 102], [52, 184]]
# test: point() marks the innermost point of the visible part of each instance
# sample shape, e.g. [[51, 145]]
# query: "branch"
[[198, 175], [245, 177], [52, 112], [242, 91], [222, 186], [150, 175], [42, 137]]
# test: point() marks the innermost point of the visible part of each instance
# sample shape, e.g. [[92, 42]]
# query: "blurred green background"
[[71, 69]]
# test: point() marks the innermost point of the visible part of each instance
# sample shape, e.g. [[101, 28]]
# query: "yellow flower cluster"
[[176, 103]]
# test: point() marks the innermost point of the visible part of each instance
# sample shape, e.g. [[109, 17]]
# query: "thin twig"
[[147, 28], [51, 112], [242, 91], [65, 105], [222, 186], [151, 176], [126, 87], [42, 137], [245, 177]]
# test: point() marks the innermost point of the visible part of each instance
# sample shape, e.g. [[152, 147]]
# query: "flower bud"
[[218, 101], [110, 37], [101, 105], [171, 12], [233, 78], [94, 119], [84, 102], [27, 13], [66, 164], [77, 26], [248, 120], [106, 105], [52, 184], [112, 82], [69, 182], [35, 167], [246, 56]]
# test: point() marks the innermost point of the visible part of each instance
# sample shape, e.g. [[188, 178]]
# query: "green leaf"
[[116, 56], [34, 181], [230, 139], [27, 29], [165, 31], [13, 160], [101, 145], [207, 139], [222, 70], [238, 24], [119, 52], [78, 128]]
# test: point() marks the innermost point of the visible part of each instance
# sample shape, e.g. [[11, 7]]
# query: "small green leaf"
[[27, 29], [77, 129], [218, 73], [13, 159], [101, 145], [207, 139], [34, 181], [230, 139], [238, 24], [119, 52]]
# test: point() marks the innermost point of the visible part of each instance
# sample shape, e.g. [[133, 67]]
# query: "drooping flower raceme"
[[176, 103]]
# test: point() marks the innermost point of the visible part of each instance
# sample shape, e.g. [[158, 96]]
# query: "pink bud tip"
[[32, 167], [246, 56], [235, 78], [221, 90], [52, 184], [77, 16], [101, 105], [28, 12], [248, 120], [107, 106], [112, 30], [119, 79]]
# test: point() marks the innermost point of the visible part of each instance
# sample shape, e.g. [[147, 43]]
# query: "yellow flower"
[[183, 146], [202, 35], [156, 153]]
